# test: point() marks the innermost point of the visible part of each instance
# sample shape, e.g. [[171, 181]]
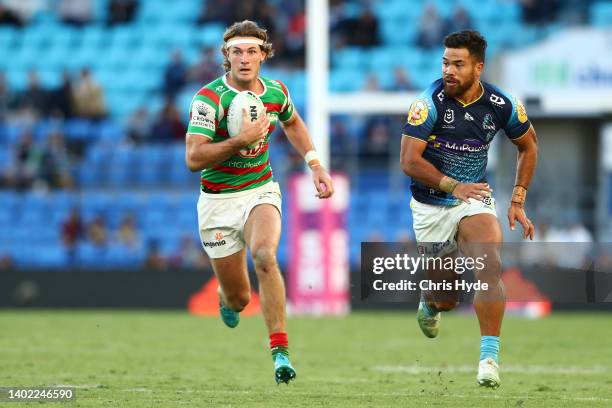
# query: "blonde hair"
[[246, 28]]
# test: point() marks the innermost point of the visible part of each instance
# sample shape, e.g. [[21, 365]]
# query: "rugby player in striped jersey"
[[240, 203]]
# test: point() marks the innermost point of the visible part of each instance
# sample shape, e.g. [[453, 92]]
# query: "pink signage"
[[318, 275]]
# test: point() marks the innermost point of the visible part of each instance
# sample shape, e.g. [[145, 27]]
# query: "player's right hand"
[[252, 132], [477, 191]]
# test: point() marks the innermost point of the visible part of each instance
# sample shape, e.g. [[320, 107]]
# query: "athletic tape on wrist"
[[310, 156]]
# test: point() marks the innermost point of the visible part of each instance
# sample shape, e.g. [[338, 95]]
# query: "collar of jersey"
[[237, 91], [474, 101]]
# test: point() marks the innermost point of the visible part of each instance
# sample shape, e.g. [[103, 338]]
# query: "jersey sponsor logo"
[[242, 165], [487, 123], [521, 112], [220, 89], [497, 100], [252, 151], [202, 115], [440, 96], [449, 116], [468, 117], [465, 147], [418, 112], [219, 241]]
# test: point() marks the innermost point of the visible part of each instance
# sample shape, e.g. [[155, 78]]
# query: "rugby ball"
[[247, 100]]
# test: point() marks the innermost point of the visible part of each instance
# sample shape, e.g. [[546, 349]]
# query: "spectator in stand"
[[55, 164], [361, 31], [371, 83], [168, 126], [75, 12], [401, 81], [365, 30], [97, 232], [72, 233], [262, 12], [376, 145], [127, 233], [34, 97], [206, 69], [342, 147], [25, 163], [60, 99], [189, 255], [6, 262], [175, 76], [154, 258], [460, 20], [121, 11], [6, 98], [88, 97], [139, 125], [218, 11], [537, 12], [9, 17], [431, 28], [26, 9], [295, 45]]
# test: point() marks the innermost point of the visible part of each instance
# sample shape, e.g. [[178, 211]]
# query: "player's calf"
[[445, 306], [237, 301], [230, 306]]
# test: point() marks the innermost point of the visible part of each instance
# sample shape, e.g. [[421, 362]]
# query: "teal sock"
[[489, 347], [429, 310]]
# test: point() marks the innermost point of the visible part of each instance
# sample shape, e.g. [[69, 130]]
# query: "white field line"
[[521, 369], [78, 386], [406, 394]]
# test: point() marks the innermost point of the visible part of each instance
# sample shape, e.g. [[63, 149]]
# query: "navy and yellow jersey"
[[458, 136]]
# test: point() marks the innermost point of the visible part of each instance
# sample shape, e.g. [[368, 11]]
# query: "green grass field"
[[165, 359]]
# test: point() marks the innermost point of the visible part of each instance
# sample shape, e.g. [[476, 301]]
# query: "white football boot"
[[488, 373]]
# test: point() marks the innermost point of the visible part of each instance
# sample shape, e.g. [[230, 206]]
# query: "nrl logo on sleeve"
[[418, 112], [497, 100]]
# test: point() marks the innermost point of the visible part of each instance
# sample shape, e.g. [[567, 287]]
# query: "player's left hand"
[[516, 212], [322, 182]]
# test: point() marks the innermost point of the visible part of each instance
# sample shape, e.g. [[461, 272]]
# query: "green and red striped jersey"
[[249, 168]]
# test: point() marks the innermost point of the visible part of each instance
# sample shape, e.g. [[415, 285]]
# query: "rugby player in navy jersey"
[[444, 150]]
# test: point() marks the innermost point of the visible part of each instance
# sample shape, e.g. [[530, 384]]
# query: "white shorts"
[[437, 225], [221, 217]]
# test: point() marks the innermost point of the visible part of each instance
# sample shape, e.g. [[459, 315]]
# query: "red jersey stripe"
[[209, 94], [221, 186]]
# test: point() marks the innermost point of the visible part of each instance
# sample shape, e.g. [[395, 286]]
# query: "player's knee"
[[446, 305], [238, 300], [265, 260], [491, 273]]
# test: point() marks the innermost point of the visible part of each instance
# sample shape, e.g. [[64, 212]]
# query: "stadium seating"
[[151, 181]]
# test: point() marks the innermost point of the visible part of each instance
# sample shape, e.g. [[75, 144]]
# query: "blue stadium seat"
[[210, 34], [601, 14], [79, 129]]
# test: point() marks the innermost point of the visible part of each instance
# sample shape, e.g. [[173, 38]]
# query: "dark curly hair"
[[472, 40]]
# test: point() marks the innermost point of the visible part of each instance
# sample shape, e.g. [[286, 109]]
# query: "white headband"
[[237, 41]]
